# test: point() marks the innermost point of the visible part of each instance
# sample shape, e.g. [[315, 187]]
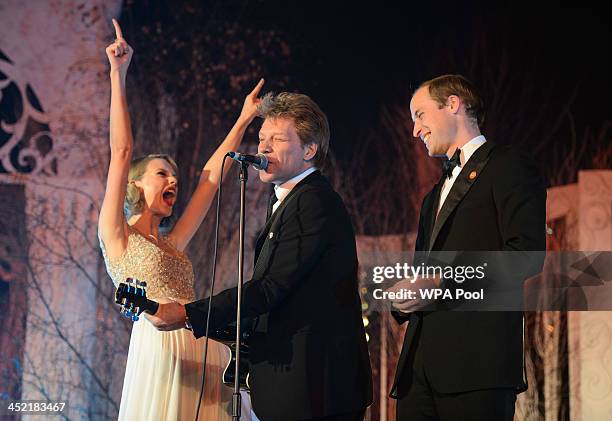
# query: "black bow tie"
[[448, 165], [271, 201]]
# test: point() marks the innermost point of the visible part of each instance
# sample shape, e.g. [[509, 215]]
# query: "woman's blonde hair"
[[134, 199]]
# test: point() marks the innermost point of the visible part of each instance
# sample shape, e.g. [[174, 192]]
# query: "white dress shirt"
[[466, 152], [282, 190]]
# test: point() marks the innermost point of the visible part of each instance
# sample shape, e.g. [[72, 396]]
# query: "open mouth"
[[169, 197]]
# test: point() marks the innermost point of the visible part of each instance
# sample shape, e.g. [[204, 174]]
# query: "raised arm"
[[198, 206], [112, 226]]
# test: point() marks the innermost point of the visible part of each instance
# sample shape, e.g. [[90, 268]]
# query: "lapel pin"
[[271, 235], [472, 175]]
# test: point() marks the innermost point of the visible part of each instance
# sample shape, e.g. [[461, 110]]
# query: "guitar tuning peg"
[[143, 284], [135, 318]]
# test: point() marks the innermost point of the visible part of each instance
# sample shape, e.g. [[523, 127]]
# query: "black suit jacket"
[[309, 354], [498, 203]]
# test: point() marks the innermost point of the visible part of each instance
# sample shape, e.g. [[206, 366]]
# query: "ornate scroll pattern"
[[26, 142]]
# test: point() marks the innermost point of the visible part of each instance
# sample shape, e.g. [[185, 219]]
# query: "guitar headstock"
[[132, 298]]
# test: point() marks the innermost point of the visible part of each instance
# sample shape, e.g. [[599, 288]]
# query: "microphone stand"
[[236, 398]]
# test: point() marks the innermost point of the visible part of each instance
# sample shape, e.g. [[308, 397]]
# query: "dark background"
[[363, 55], [543, 73]]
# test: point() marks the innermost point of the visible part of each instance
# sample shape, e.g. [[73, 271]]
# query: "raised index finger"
[[118, 33], [257, 88]]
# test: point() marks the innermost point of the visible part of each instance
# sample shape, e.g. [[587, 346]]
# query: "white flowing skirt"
[[163, 377]]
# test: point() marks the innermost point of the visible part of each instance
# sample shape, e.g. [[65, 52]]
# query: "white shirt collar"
[[466, 153], [282, 190], [469, 148]]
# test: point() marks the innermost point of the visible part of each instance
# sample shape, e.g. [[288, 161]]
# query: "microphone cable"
[[212, 284]]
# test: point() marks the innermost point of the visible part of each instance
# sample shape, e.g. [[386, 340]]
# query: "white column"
[[590, 332]]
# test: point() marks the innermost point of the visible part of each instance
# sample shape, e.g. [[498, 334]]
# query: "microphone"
[[259, 161]]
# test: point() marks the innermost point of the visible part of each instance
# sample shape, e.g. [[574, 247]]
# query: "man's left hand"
[[170, 316]]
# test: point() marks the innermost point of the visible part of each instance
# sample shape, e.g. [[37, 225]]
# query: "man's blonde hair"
[[310, 122]]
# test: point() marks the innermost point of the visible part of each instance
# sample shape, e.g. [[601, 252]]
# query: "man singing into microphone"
[[308, 354]]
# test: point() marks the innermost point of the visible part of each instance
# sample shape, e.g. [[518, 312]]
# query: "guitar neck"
[[133, 297]]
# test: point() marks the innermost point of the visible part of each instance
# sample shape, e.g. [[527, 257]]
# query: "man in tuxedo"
[[468, 365], [308, 353]]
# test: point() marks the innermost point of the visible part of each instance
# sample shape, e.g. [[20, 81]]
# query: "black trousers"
[[422, 403]]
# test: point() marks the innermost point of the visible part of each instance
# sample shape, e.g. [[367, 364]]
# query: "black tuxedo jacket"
[[498, 203], [308, 353]]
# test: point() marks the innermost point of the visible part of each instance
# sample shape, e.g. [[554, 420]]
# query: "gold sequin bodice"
[[167, 275]]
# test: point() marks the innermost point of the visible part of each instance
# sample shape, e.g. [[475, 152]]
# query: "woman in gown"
[[164, 369]]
